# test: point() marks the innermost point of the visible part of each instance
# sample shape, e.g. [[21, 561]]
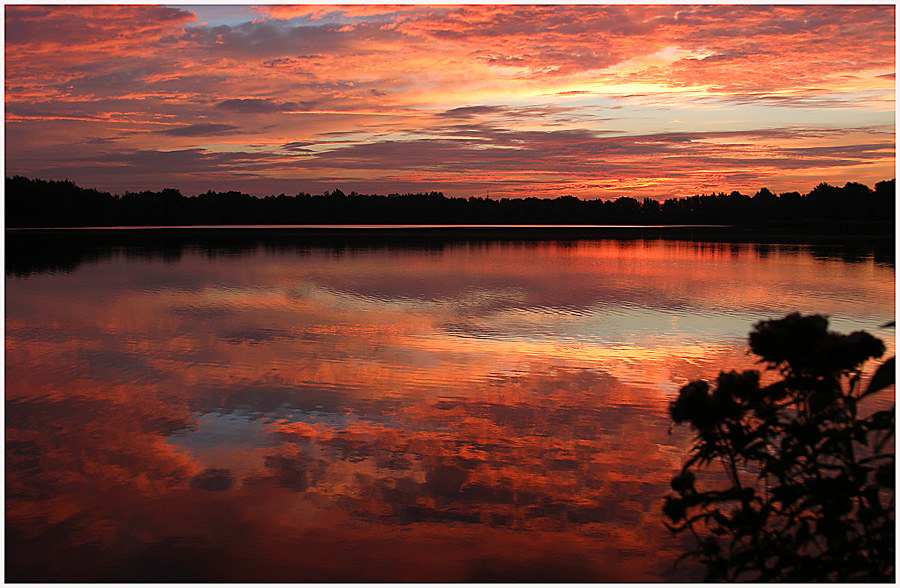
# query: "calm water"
[[278, 410]]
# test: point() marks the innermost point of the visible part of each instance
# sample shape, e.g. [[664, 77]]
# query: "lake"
[[293, 406]]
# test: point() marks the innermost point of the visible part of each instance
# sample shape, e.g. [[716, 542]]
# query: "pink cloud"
[[547, 90]]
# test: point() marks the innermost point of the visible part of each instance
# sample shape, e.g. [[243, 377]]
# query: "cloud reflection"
[[277, 416]]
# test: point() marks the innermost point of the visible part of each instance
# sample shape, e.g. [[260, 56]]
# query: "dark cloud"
[[471, 111], [180, 161], [256, 106], [55, 110], [201, 130], [106, 83], [276, 41], [213, 480], [855, 152], [478, 148], [102, 140], [485, 154], [813, 98], [86, 25], [298, 147], [489, 148]]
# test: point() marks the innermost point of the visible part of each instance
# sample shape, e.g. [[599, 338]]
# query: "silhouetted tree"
[[38, 203], [626, 211], [764, 204], [884, 202], [650, 211], [809, 494]]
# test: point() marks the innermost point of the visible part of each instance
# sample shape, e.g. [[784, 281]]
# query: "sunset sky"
[[506, 100]]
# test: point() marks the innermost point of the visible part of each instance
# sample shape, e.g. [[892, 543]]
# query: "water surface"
[[284, 410]]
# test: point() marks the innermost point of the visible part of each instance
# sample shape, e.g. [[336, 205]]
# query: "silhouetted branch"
[[810, 494]]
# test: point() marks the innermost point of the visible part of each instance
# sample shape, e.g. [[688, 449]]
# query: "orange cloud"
[[388, 79]]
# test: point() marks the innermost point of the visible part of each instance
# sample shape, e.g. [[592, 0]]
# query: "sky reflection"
[[475, 414]]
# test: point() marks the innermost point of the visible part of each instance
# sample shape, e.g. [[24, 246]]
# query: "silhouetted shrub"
[[809, 494]]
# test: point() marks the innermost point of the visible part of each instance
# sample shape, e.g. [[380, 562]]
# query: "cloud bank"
[[593, 101]]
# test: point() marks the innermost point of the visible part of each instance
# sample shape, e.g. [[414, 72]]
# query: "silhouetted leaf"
[[794, 440], [882, 420], [883, 377], [886, 475]]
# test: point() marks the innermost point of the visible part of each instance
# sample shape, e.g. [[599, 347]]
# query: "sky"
[[593, 101]]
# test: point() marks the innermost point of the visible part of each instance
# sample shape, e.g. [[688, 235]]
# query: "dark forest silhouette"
[[41, 203]]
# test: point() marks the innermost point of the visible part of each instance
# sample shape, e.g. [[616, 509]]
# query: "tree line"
[[42, 203]]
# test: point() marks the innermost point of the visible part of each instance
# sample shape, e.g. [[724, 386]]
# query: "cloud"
[[79, 27], [298, 147], [491, 148], [255, 106], [122, 167], [188, 160], [470, 111], [403, 79], [337, 11], [200, 130], [506, 160], [213, 480]]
